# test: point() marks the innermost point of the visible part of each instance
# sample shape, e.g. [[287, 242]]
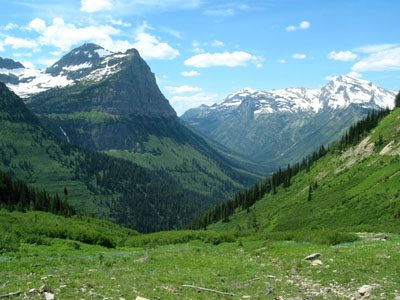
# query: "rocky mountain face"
[[282, 126]]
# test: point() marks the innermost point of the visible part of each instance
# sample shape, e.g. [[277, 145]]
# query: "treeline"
[[17, 195], [245, 199]]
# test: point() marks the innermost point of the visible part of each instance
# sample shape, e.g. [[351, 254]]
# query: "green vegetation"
[[125, 264], [351, 188], [97, 184]]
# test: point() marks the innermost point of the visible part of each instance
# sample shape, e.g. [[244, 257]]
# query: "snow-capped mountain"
[[271, 125], [89, 62], [339, 93]]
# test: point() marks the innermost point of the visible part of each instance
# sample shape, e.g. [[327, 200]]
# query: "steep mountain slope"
[[97, 184], [354, 189], [111, 102], [282, 126]]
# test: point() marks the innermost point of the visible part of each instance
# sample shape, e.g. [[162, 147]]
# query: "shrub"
[[8, 242]]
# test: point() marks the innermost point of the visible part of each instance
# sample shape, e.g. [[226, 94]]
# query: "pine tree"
[[309, 193], [397, 100]]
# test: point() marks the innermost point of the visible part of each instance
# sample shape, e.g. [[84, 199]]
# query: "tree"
[[309, 192], [397, 100]]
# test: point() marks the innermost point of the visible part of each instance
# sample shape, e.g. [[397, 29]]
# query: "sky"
[[203, 50]]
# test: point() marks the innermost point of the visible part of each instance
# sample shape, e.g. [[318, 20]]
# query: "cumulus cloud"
[[234, 59], [28, 65], [22, 54], [91, 6], [216, 43], [303, 25], [190, 73], [182, 89], [120, 23], [17, 43], [10, 26], [37, 24], [150, 47], [342, 55], [183, 103], [1, 46], [386, 60], [299, 56]]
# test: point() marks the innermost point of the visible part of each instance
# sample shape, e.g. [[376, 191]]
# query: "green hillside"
[[97, 184], [355, 189]]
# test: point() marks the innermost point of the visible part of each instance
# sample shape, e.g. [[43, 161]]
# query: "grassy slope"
[[244, 266], [357, 190]]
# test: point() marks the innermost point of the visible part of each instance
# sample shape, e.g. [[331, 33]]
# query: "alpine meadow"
[[199, 150]]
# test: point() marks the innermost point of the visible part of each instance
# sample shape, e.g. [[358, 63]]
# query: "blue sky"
[[201, 50]]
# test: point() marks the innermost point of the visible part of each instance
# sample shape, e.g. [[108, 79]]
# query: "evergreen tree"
[[397, 100]]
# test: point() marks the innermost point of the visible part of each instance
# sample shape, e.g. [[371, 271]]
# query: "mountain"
[[110, 102], [282, 126], [352, 187], [96, 184]]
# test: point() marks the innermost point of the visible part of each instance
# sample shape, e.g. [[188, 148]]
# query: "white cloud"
[[386, 60], [56, 53], [199, 50], [190, 73], [342, 55], [172, 32], [282, 61], [299, 56], [355, 74], [303, 25], [375, 48], [195, 43], [259, 65], [10, 26], [150, 47], [95, 5], [22, 54], [120, 23], [183, 103], [17, 43], [1, 46], [216, 43], [234, 59], [56, 33], [330, 77], [37, 24], [47, 61], [182, 89], [223, 12]]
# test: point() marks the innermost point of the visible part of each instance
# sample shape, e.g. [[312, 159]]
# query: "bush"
[[8, 242]]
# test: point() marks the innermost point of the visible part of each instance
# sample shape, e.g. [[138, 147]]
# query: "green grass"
[[75, 270]]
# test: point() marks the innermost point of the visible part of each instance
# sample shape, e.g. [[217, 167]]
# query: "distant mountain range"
[[281, 126]]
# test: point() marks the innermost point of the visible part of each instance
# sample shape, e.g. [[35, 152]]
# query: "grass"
[[262, 269]]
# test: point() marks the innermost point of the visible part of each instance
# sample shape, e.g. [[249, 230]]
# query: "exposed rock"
[[141, 298], [376, 238], [33, 291], [271, 277], [316, 262], [366, 289], [313, 256], [44, 288], [48, 296]]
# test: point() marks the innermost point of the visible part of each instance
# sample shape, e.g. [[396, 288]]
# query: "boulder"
[[48, 296]]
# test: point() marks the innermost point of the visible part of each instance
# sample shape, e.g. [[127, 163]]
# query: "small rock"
[[271, 277], [316, 262], [364, 289], [313, 256], [63, 286], [246, 297], [44, 288], [397, 298], [48, 296], [112, 278], [141, 298], [36, 265], [44, 278], [33, 291]]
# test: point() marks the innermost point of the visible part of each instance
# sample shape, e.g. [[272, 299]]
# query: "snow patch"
[[85, 65], [103, 52]]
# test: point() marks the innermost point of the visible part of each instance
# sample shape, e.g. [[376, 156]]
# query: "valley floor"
[[245, 269]]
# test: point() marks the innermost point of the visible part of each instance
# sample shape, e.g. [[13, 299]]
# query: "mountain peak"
[[9, 64]]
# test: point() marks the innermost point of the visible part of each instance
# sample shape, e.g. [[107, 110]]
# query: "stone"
[[48, 296], [313, 256], [33, 291], [44, 288], [365, 289], [316, 262], [141, 298], [271, 277]]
